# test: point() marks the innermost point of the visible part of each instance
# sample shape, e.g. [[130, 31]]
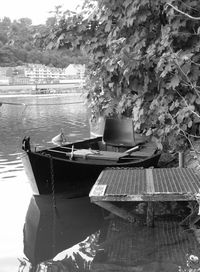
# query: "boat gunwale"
[[87, 161]]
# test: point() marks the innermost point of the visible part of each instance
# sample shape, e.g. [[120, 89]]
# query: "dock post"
[[150, 214], [181, 159]]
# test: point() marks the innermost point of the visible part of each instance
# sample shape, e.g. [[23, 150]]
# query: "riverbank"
[[75, 86], [69, 94]]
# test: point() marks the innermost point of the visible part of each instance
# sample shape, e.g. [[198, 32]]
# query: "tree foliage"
[[144, 61], [18, 46]]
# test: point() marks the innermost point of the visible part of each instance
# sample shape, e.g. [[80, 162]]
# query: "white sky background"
[[36, 10]]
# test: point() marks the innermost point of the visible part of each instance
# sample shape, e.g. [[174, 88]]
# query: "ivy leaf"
[[161, 118], [127, 3], [149, 132], [108, 26], [194, 72], [197, 101], [175, 80], [186, 56], [121, 63], [180, 118], [184, 127], [186, 68], [158, 143], [167, 68], [172, 107], [104, 18], [126, 74], [191, 108], [190, 124], [191, 98], [130, 21], [111, 84]]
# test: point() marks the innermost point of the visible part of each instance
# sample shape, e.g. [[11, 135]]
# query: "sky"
[[36, 10]]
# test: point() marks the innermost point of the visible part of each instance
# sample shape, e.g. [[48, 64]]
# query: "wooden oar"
[[133, 149]]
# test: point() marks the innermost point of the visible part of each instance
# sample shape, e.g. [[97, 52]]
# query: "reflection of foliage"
[[144, 62], [77, 258], [22, 265], [192, 263]]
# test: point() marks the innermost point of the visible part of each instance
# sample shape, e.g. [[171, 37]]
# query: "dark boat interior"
[[118, 144]]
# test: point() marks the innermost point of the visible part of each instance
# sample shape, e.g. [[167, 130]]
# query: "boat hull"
[[50, 174]]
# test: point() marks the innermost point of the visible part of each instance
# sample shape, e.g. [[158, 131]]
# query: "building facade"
[[38, 74]]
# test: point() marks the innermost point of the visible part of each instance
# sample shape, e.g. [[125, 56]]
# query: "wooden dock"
[[128, 245], [145, 185]]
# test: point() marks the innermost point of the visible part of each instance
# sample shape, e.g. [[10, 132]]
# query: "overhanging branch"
[[178, 10]]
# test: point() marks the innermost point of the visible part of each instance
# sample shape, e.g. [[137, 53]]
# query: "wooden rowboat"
[[73, 168]]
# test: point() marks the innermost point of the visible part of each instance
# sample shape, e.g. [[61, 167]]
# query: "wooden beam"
[[150, 214], [145, 197], [192, 218], [116, 210]]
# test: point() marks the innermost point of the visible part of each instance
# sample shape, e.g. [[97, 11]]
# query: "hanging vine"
[[143, 62]]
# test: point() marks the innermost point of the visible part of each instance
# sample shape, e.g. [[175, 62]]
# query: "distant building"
[[75, 71], [43, 74], [4, 80], [38, 73], [3, 71], [19, 80]]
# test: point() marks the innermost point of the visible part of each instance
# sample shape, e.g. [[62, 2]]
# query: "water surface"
[[41, 118], [76, 230]]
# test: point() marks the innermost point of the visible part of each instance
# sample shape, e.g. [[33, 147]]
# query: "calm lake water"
[[41, 118], [31, 228]]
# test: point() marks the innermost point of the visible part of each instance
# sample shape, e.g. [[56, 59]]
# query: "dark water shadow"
[[49, 230]]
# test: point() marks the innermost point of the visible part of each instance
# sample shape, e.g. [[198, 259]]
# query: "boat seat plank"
[[99, 155], [86, 154]]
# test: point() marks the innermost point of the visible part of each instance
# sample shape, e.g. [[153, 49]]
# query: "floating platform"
[[158, 184], [128, 244], [145, 185]]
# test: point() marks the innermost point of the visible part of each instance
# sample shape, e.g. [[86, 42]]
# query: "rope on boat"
[[53, 206], [52, 181]]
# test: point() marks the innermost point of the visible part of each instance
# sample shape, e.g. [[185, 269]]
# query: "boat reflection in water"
[[68, 238], [49, 230]]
